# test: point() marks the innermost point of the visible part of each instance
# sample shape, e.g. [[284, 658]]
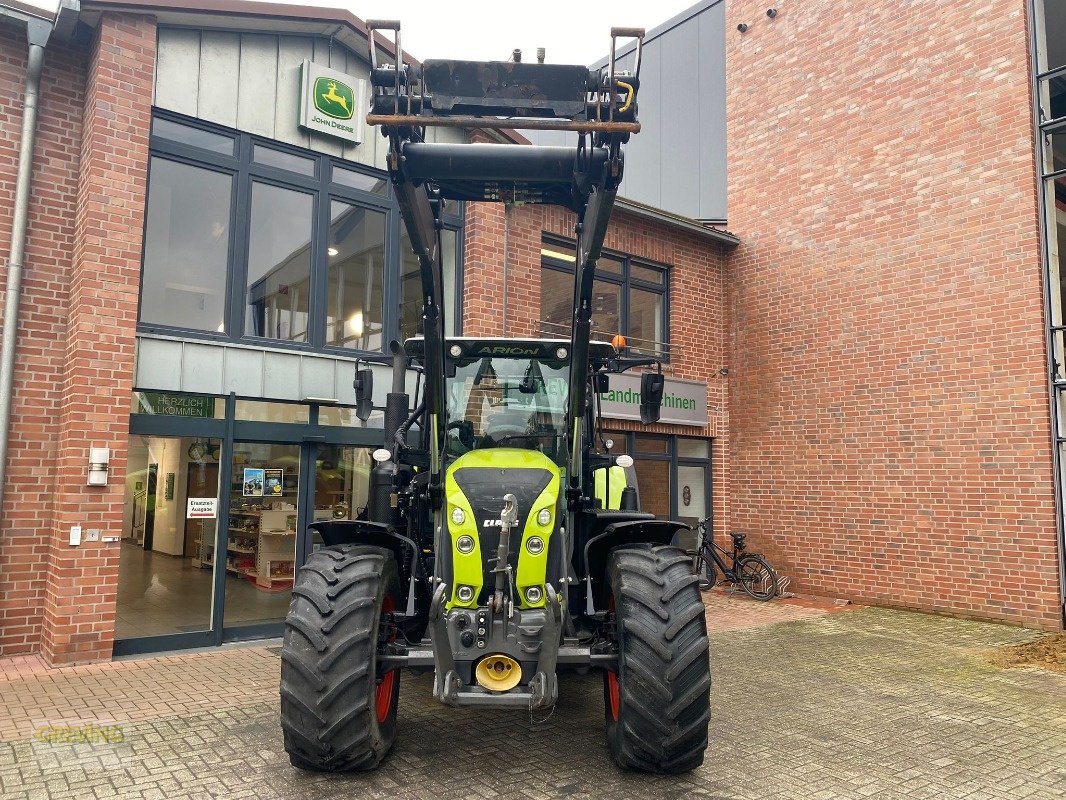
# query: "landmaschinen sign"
[[684, 402]]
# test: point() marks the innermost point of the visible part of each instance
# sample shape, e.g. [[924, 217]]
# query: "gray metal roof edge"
[[659, 30], [676, 221]]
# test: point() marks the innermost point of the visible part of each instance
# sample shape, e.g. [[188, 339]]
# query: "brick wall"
[[698, 325], [40, 352], [890, 430], [79, 606]]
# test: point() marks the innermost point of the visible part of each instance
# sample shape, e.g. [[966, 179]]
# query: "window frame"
[[623, 279], [243, 172]]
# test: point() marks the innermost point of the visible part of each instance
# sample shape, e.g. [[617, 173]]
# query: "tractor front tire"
[[337, 712], [657, 704]]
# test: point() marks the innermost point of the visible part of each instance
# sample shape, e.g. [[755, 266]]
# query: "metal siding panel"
[[679, 178], [220, 64], [177, 70], [201, 368], [320, 143], [158, 364], [257, 88], [362, 153], [643, 151], [243, 372], [281, 376], [711, 98], [316, 377], [292, 50]]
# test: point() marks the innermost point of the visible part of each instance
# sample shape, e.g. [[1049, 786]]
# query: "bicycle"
[[750, 570]]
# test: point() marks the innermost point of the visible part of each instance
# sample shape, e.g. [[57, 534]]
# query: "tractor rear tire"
[[657, 704], [337, 712]]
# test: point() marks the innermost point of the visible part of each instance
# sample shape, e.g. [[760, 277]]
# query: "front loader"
[[503, 543]]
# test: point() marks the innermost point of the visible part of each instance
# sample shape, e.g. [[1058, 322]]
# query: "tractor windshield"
[[505, 401]]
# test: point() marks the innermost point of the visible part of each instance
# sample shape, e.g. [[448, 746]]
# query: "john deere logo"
[[334, 99]]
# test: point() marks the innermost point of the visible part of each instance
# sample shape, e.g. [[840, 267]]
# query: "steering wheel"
[[466, 432]]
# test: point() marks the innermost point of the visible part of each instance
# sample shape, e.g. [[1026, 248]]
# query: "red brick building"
[[867, 349]]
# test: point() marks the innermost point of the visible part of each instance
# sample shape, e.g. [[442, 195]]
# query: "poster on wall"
[[273, 482], [253, 482]]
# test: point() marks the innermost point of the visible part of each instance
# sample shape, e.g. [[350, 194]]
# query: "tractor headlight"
[[544, 518], [535, 545], [464, 544], [533, 594], [465, 594], [458, 516]]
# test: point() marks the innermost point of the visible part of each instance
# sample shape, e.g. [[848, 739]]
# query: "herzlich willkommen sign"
[[332, 102]]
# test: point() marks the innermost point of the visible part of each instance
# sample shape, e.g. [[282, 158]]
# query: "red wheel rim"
[[612, 694], [383, 693], [612, 678]]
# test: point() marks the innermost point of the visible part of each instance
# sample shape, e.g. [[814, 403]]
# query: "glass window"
[[653, 483], [1054, 30], [648, 274], [338, 415], [609, 264], [556, 302], [625, 300], [282, 160], [411, 286], [262, 411], [356, 257], [186, 246], [279, 263], [692, 448], [691, 493], [652, 444], [1053, 97], [194, 137], [357, 180], [645, 330], [318, 269], [342, 479], [173, 404], [560, 251], [606, 308]]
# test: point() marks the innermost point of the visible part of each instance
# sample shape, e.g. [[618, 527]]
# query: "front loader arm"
[[600, 106]]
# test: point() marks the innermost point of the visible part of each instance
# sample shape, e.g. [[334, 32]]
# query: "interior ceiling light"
[[332, 251]]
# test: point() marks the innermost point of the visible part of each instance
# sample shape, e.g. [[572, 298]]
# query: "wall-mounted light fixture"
[[771, 12], [98, 458], [742, 27]]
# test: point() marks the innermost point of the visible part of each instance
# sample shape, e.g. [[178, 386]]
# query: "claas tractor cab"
[[503, 543]]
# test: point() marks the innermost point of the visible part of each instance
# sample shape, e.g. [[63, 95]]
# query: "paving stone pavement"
[[866, 704]]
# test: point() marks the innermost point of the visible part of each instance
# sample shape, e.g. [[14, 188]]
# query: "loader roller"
[[503, 543]]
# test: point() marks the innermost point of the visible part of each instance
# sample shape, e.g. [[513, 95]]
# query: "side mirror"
[[603, 383], [651, 396], [364, 393]]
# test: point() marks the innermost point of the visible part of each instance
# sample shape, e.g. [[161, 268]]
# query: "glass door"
[[261, 533], [341, 483], [168, 538]]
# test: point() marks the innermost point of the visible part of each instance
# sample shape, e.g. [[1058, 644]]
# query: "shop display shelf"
[[235, 549]]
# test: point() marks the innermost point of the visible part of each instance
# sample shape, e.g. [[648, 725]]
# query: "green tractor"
[[503, 542]]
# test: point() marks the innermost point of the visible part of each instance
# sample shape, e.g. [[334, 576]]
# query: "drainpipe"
[[37, 33]]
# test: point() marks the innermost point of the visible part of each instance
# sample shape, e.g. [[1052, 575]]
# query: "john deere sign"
[[332, 103], [684, 402]]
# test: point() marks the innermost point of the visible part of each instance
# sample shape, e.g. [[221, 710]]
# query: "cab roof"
[[475, 347]]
